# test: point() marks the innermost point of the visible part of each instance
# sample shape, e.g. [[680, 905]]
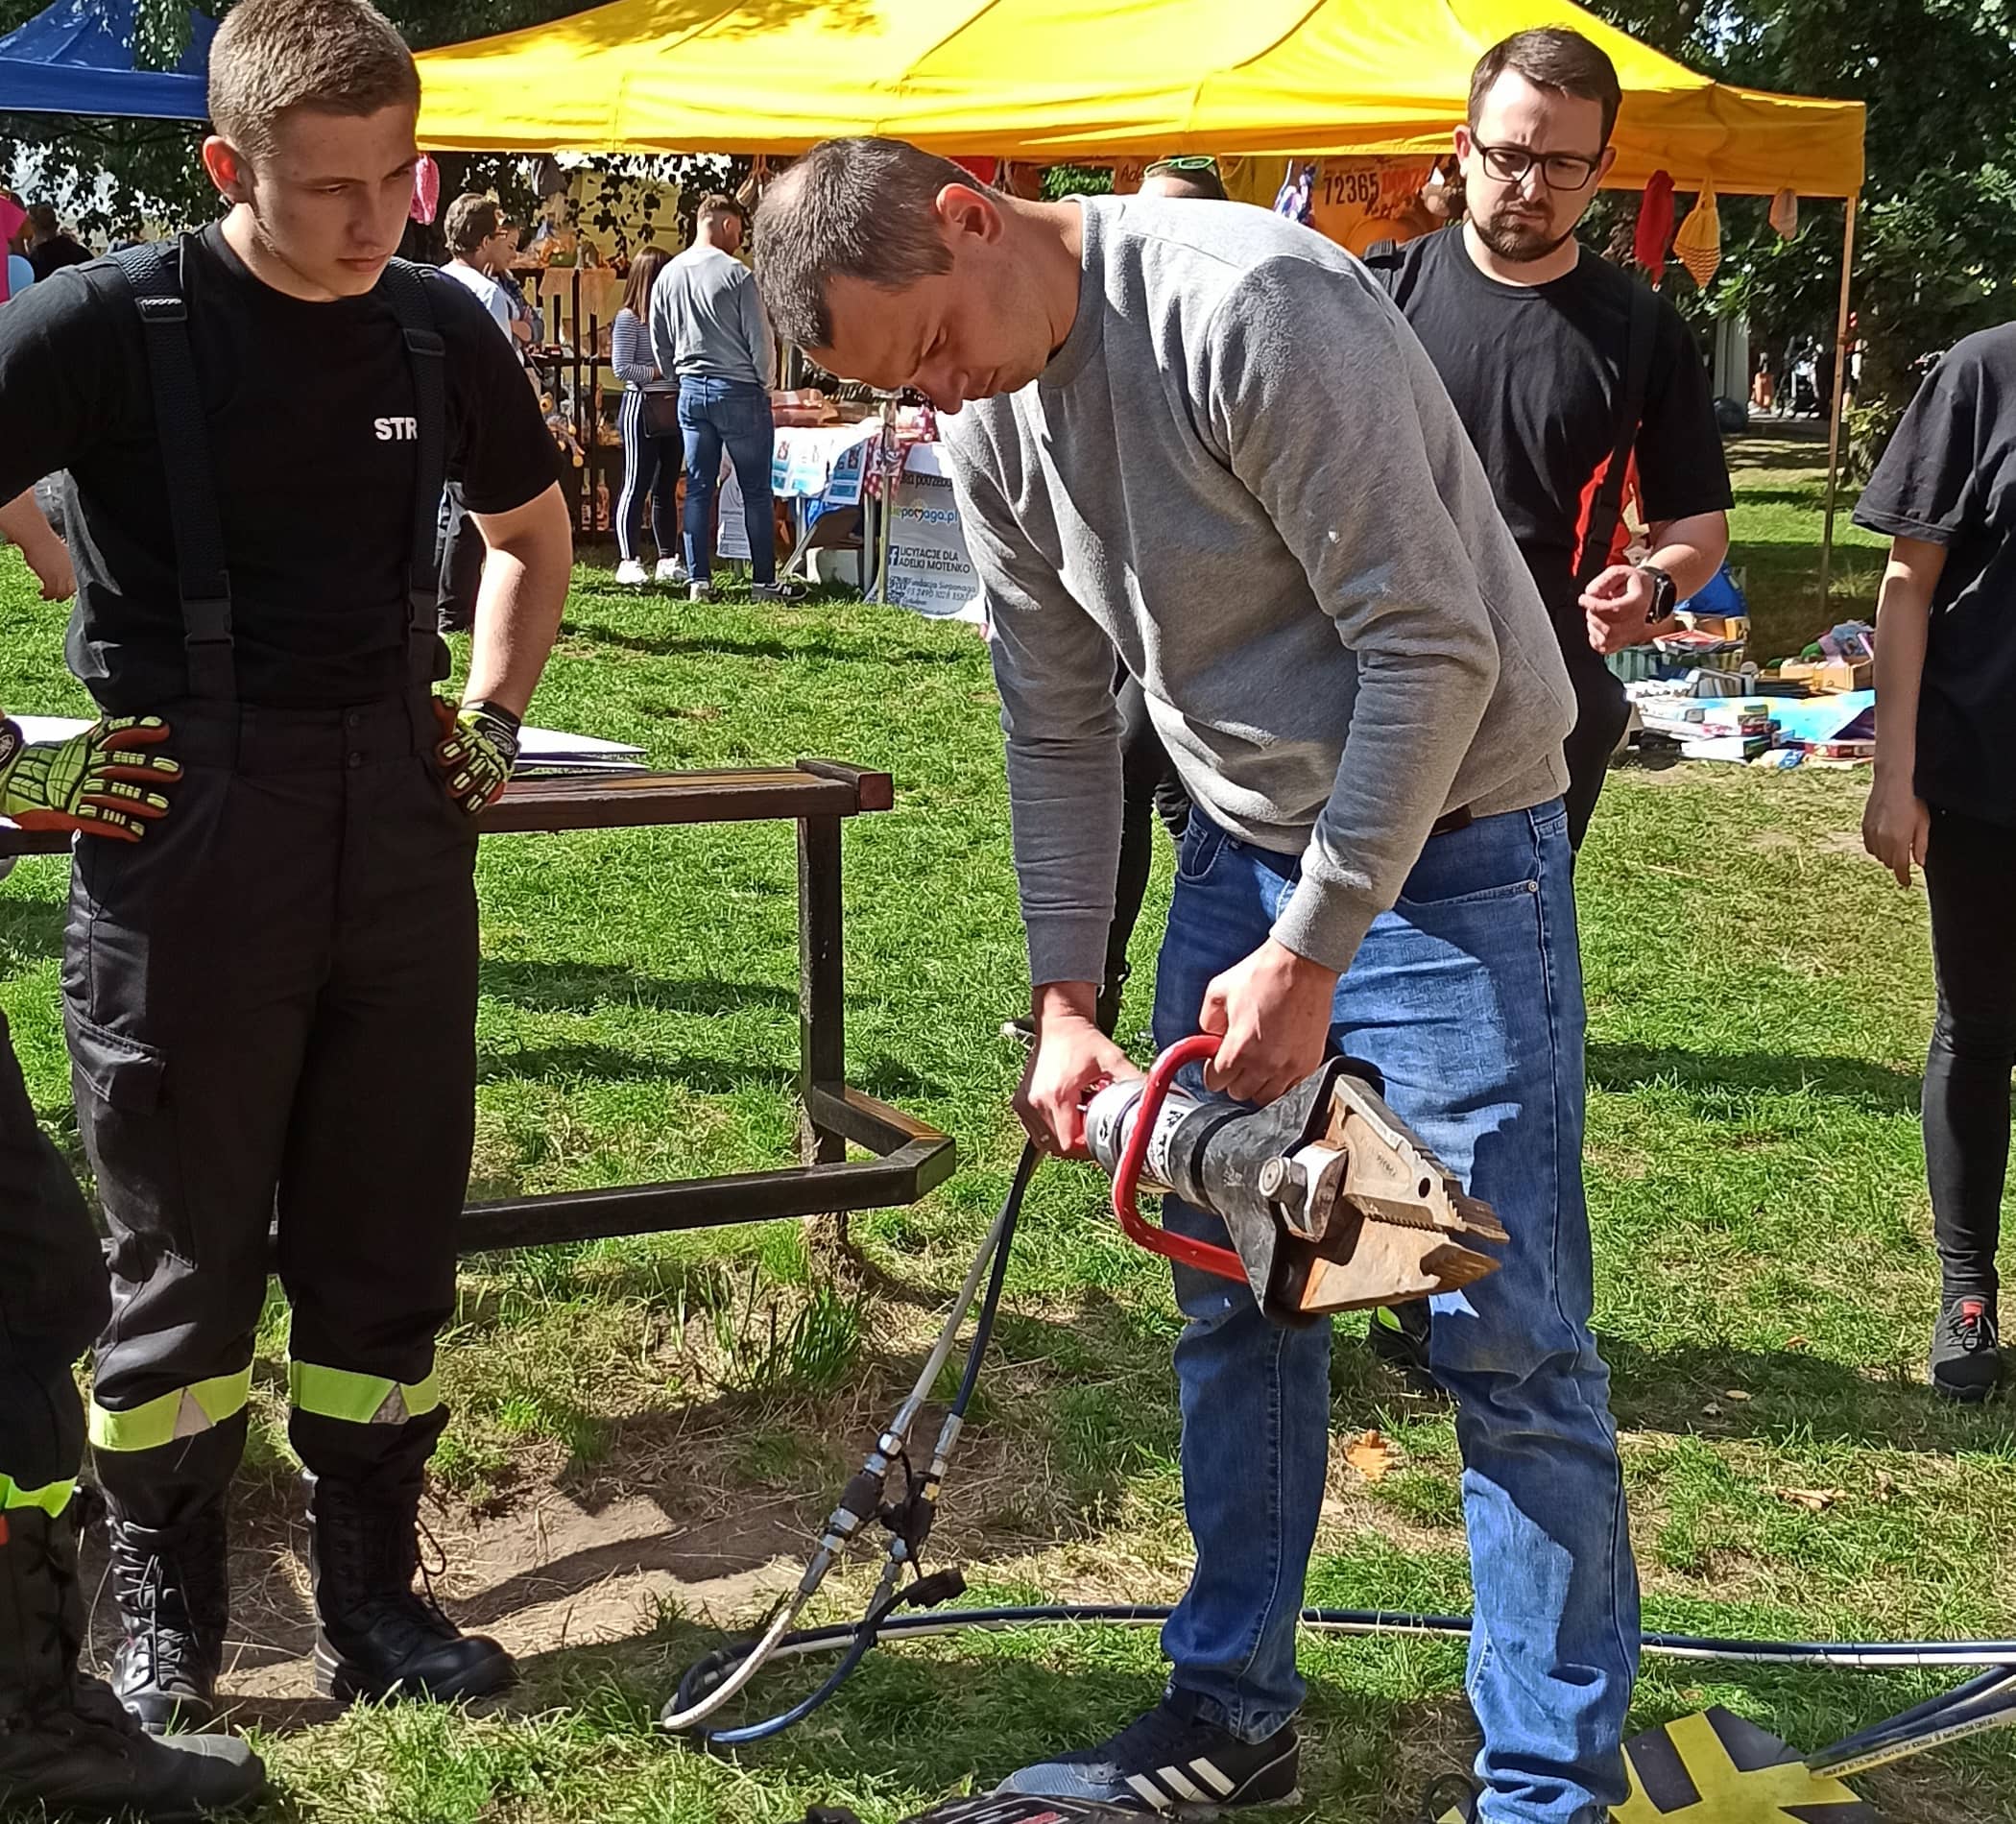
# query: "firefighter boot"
[[66, 1743], [379, 1636], [174, 1590]]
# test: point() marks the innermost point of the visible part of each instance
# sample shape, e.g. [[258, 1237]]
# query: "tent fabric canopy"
[[1058, 80], [77, 56]]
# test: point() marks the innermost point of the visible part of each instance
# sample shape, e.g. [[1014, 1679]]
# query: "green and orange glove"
[[478, 747], [104, 782]]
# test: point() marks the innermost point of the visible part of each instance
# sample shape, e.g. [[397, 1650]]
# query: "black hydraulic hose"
[[983, 1329], [864, 1634], [853, 1640]]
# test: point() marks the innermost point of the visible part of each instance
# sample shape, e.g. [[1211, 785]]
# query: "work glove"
[[97, 781], [478, 746]]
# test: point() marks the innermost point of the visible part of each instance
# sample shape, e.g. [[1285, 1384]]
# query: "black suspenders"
[[203, 584]]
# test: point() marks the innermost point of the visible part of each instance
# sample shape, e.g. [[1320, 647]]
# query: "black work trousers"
[[1149, 789], [1970, 876], [52, 1296], [459, 552], [270, 1009]]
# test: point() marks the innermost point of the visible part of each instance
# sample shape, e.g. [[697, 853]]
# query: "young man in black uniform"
[[270, 1003], [1563, 369], [66, 1743]]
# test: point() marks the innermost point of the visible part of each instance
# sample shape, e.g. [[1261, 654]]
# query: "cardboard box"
[[1830, 674]]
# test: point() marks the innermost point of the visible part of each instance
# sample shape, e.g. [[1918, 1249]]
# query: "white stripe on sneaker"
[[1214, 1776], [1172, 1778], [1148, 1793]]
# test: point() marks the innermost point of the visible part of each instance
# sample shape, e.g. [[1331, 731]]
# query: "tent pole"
[[1840, 377]]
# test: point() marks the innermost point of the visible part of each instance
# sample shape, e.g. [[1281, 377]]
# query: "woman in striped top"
[[649, 399]]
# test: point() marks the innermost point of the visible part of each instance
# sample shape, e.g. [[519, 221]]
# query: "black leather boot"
[[67, 1745], [379, 1636], [174, 1590]]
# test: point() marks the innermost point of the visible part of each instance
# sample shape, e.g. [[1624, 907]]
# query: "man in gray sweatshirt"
[[1201, 435], [707, 328]]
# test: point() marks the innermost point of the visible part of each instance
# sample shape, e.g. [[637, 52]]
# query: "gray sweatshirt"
[[707, 322], [1241, 472]]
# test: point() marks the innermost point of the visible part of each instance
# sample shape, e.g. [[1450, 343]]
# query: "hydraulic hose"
[[715, 1680]]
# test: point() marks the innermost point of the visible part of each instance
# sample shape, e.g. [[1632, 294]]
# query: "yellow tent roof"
[[1057, 80]]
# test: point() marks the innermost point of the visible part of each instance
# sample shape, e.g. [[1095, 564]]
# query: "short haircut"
[[849, 208], [715, 205], [332, 57], [471, 220], [1551, 56], [1199, 177], [43, 218]]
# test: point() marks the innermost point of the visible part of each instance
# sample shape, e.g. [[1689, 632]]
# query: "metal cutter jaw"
[[1331, 1201]]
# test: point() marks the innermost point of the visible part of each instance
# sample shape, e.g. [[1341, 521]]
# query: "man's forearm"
[[526, 569], [22, 522], [1691, 550]]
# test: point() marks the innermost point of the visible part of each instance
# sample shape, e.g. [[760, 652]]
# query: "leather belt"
[[1450, 822]]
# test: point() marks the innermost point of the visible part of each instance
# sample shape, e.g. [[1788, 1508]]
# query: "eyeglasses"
[[1189, 162], [1561, 170]]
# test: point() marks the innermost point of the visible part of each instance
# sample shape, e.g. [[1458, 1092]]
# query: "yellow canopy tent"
[[1060, 80], [1055, 80]]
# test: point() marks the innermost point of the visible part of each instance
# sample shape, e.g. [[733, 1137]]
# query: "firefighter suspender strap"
[[153, 272], [427, 355]]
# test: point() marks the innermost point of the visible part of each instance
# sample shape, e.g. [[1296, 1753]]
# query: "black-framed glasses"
[[1561, 170]]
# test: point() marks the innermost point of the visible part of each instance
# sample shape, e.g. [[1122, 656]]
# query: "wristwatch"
[[1665, 593]]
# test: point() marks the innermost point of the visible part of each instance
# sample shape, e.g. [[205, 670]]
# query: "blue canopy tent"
[[78, 57]]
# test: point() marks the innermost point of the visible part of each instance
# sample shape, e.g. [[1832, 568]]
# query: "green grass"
[[1758, 1000]]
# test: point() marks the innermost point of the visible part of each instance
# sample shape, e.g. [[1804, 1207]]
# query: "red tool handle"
[[1127, 1174]]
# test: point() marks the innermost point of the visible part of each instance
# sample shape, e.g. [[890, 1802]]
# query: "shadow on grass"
[[586, 987], [31, 934], [810, 646], [1795, 1398], [1711, 1078], [882, 1078]]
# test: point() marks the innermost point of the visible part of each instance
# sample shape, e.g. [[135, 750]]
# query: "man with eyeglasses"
[[1564, 368]]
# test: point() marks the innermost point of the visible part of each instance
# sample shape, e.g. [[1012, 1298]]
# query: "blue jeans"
[[1467, 996], [733, 415]]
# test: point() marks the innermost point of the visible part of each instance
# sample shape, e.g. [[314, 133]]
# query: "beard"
[[1519, 239]]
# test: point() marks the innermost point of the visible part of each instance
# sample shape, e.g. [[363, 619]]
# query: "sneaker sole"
[[1967, 1394]]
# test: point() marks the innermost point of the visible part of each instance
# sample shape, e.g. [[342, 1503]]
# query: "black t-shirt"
[[1535, 373], [1948, 477], [310, 413], [53, 255]]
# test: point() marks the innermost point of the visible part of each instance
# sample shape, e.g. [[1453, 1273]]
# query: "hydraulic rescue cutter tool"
[[1331, 1201]]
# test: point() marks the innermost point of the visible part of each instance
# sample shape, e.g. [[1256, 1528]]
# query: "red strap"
[[1127, 1175]]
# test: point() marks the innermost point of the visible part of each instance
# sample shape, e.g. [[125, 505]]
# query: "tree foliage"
[[1935, 238]]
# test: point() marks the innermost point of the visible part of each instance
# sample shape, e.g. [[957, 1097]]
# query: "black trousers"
[[1602, 712], [52, 1296], [1970, 876], [270, 1010], [1149, 789], [457, 554]]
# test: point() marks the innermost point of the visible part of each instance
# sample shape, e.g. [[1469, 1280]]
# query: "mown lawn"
[[1758, 996]]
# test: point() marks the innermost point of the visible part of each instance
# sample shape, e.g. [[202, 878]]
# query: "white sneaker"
[[700, 591], [671, 570], [630, 574]]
